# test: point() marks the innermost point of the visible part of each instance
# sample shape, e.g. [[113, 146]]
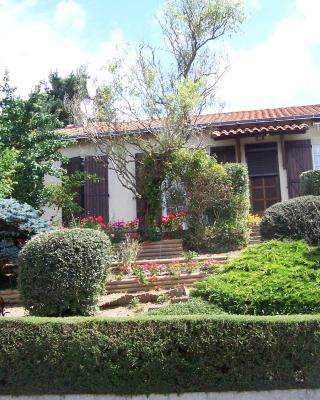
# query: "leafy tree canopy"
[[28, 136], [62, 92]]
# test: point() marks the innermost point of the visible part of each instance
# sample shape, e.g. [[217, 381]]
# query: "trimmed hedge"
[[310, 183], [295, 219], [62, 272], [158, 355]]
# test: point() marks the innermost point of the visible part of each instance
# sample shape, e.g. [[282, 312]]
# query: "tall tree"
[[62, 92], [29, 129], [155, 100]]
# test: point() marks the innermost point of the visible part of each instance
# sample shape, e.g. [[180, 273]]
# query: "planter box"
[[131, 285]]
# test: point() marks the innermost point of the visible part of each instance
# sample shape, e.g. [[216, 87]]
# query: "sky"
[[273, 62]]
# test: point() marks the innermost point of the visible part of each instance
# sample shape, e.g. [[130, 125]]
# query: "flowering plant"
[[92, 222], [115, 229], [173, 221]]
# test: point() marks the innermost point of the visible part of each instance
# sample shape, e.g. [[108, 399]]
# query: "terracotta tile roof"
[[270, 129], [228, 123]]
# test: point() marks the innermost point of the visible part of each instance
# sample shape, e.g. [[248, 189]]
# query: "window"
[[224, 154], [316, 156]]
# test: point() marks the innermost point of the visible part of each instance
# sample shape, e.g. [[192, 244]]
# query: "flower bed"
[[152, 272], [171, 226]]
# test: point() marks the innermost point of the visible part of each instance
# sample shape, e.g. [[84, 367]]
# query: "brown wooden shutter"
[[224, 154], [73, 165], [298, 160], [139, 201], [262, 159], [96, 195]]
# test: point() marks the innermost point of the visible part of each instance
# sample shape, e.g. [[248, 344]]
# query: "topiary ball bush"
[[310, 182], [62, 272], [270, 278], [295, 219]]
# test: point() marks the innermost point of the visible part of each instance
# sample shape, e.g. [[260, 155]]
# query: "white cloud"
[[282, 69], [32, 46], [70, 13]]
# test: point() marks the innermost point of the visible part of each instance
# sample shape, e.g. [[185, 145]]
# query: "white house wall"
[[122, 203]]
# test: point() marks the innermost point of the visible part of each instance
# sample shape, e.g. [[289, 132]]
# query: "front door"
[[263, 168], [298, 160]]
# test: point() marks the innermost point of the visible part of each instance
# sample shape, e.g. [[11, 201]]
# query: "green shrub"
[[190, 307], [216, 201], [62, 272], [271, 278], [158, 355], [310, 183], [296, 219], [18, 222]]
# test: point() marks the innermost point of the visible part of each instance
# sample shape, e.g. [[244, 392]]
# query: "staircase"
[[255, 236], [161, 250]]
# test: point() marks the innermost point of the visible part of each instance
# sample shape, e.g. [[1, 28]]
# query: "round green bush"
[[62, 272], [310, 182], [271, 278], [295, 219]]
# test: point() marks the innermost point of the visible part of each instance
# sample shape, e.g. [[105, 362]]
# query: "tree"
[[8, 168], [63, 195], [154, 102], [62, 92], [28, 129]]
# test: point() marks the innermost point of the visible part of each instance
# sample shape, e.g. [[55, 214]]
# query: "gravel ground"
[[14, 312]]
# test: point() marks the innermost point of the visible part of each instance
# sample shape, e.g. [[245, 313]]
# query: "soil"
[[121, 311], [128, 311]]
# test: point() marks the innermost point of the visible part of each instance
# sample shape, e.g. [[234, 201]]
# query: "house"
[[277, 144]]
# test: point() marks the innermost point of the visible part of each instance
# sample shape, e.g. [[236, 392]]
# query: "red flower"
[[91, 219], [164, 220], [99, 219], [84, 219], [134, 235]]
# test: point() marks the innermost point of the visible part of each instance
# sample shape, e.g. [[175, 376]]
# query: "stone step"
[[161, 251]]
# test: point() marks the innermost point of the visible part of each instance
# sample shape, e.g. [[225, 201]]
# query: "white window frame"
[[316, 156]]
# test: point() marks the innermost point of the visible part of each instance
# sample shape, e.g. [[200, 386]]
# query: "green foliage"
[[28, 128], [18, 222], [160, 92], [64, 195], [145, 355], [297, 218], [271, 278], [190, 307], [310, 183], [8, 168], [63, 91], [62, 272], [216, 200]]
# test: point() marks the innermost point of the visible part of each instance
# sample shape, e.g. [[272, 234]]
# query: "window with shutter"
[[96, 194], [73, 165], [263, 168], [224, 154]]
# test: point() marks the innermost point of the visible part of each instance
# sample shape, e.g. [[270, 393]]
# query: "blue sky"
[[274, 61]]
